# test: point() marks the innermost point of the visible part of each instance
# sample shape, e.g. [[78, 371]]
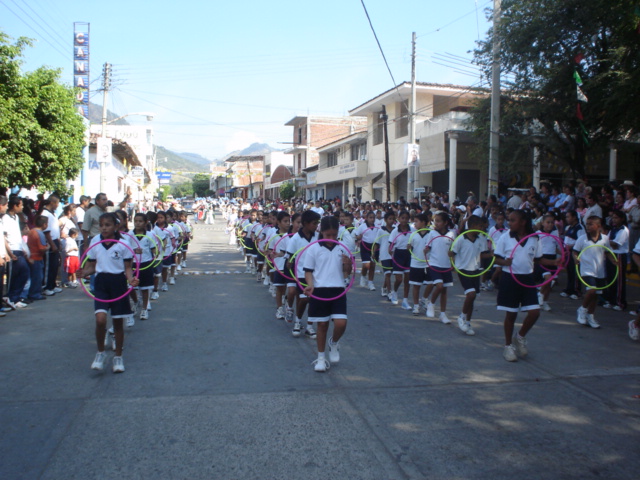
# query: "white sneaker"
[[592, 321], [266, 282], [546, 307], [253, 270], [470, 330], [430, 311], [118, 365], [178, 268], [149, 306], [310, 332], [444, 319], [384, 292], [372, 287], [462, 322], [288, 315], [321, 365], [416, 310], [183, 264], [363, 281], [144, 314], [48, 293], [520, 345], [634, 332], [280, 313], [564, 294], [405, 304], [582, 316], [165, 287], [394, 298], [131, 321], [98, 362], [155, 295], [297, 329], [334, 351], [540, 298], [57, 290], [172, 280], [509, 353]]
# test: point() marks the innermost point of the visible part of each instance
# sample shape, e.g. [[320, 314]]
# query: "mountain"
[[175, 162], [253, 149], [95, 115], [194, 157]]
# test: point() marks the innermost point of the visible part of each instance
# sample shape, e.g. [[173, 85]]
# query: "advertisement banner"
[[411, 154]]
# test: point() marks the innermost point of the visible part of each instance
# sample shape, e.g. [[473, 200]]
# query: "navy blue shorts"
[[387, 266], [108, 286], [279, 280], [513, 297], [446, 278], [417, 276], [595, 283], [401, 261], [145, 276], [470, 284], [322, 310], [365, 252]]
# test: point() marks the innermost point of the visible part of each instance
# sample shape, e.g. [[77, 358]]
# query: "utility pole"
[[250, 189], [106, 84], [494, 140], [384, 118], [412, 170]]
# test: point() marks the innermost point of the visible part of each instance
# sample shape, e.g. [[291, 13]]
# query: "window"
[[332, 159], [402, 119], [299, 135], [378, 127], [358, 152]]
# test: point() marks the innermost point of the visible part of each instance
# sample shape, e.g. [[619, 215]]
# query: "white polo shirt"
[[418, 242], [524, 255], [400, 240], [549, 244], [383, 240], [468, 252], [347, 237], [368, 234], [325, 261], [439, 246], [145, 243], [296, 242], [165, 236], [109, 257], [621, 237], [592, 261]]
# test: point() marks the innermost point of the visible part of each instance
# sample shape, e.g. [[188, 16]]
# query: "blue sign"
[[81, 67]]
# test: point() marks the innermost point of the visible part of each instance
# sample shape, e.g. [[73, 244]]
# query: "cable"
[[55, 32], [378, 42], [456, 20]]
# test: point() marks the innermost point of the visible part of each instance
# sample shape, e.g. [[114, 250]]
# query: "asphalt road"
[[216, 388]]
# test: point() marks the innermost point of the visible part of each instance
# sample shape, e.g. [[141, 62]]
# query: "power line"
[[475, 10], [53, 30], [378, 42]]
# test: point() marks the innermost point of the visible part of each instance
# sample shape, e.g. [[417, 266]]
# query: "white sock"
[[320, 355]]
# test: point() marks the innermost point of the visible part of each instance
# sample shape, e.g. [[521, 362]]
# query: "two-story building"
[[245, 172], [309, 134]]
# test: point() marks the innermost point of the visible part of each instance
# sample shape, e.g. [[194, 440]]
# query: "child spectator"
[[38, 245], [72, 263]]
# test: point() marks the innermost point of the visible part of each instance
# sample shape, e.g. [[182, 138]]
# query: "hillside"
[[168, 160], [194, 157]]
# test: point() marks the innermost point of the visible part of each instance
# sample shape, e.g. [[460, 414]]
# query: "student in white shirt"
[[325, 265], [418, 266], [592, 268], [512, 296], [385, 257], [616, 294], [365, 235]]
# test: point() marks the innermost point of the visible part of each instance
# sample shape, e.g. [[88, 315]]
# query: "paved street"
[[216, 388]]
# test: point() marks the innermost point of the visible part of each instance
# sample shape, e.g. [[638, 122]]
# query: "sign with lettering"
[[137, 172], [81, 67], [347, 168]]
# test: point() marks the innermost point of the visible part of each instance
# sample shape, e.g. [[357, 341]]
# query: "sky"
[[219, 76]]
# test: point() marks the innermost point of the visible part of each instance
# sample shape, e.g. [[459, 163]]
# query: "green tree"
[[287, 191], [182, 189], [41, 136], [544, 44], [164, 192], [201, 186]]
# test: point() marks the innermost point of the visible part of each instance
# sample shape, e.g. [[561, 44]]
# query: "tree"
[[201, 185], [164, 192], [287, 191], [182, 189], [41, 136], [549, 49]]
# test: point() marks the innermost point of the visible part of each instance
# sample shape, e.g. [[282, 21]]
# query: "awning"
[[432, 157]]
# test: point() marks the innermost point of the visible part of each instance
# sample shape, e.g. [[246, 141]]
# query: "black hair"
[[146, 220], [14, 201], [293, 219], [41, 220], [474, 222], [281, 215], [620, 214], [329, 223], [422, 217], [309, 216], [151, 216], [524, 215], [446, 218], [73, 231], [366, 215], [389, 213], [112, 217]]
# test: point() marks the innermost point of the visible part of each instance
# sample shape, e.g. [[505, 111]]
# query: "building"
[[278, 170], [440, 110], [310, 133], [245, 172]]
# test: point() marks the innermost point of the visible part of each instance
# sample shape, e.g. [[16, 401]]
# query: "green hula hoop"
[[409, 243], [290, 260], [373, 245], [493, 259], [140, 235], [615, 277]]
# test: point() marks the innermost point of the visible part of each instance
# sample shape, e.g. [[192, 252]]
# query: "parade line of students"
[[126, 269], [298, 258]]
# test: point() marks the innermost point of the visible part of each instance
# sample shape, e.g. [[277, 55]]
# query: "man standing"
[[19, 273], [52, 234], [80, 211], [91, 225]]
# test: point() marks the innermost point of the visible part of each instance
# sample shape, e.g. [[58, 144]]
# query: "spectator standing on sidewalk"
[[82, 207], [4, 248], [38, 246], [91, 221], [66, 223], [19, 268], [52, 233]]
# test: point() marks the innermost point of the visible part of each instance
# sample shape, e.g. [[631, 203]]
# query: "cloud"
[[241, 140]]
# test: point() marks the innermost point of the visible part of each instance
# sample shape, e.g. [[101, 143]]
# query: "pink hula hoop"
[[553, 276], [362, 242], [431, 266], [353, 265], [137, 269], [274, 260], [405, 269]]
